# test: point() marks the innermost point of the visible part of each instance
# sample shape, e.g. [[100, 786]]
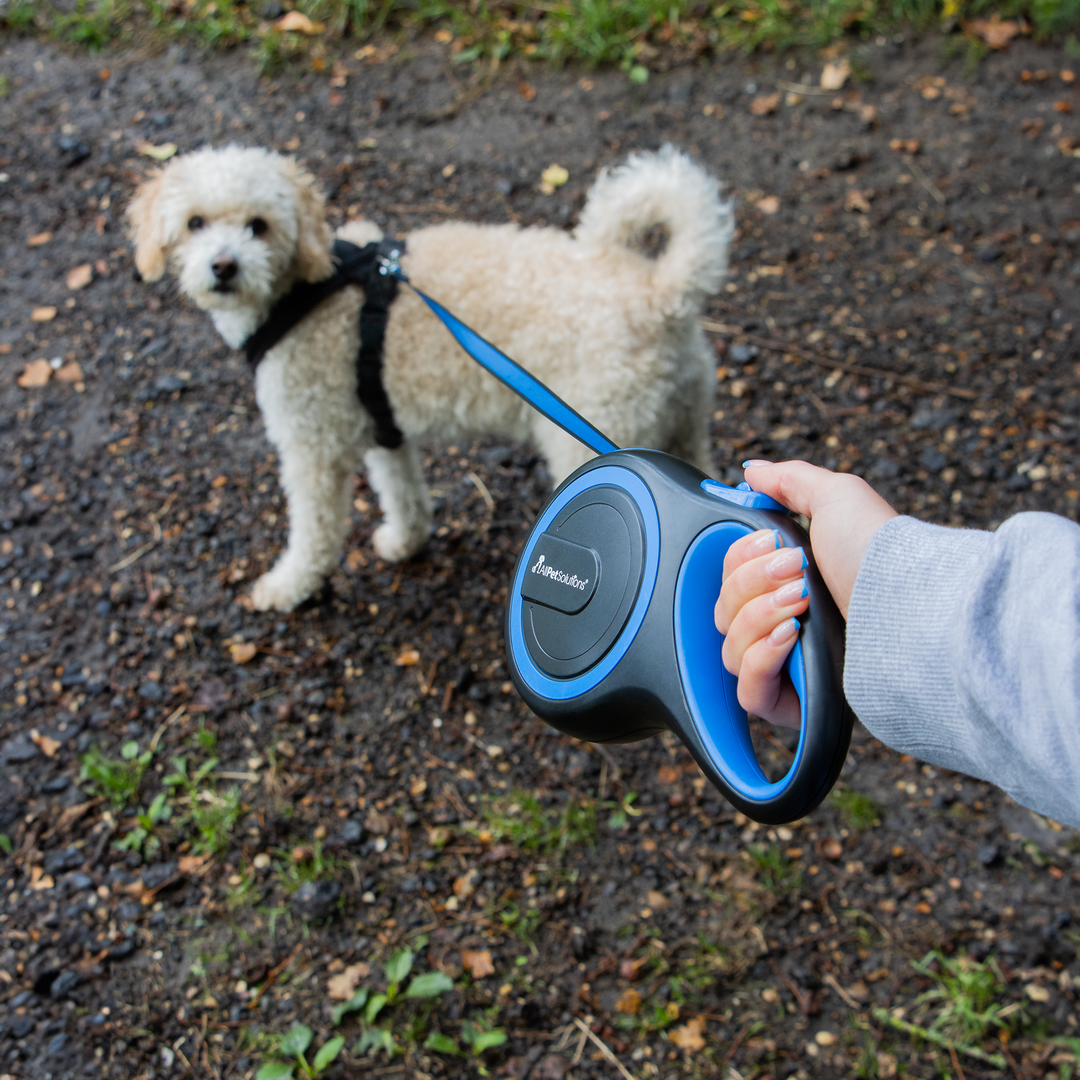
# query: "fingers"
[[763, 690], [762, 617], [748, 575]]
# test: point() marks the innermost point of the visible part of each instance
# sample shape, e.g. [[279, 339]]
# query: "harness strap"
[[354, 266]]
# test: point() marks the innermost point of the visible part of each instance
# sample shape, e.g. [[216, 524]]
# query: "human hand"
[[763, 592]]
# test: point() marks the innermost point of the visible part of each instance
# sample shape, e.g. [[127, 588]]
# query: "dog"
[[609, 328]]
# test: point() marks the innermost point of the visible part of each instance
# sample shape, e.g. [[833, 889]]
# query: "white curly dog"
[[611, 330]]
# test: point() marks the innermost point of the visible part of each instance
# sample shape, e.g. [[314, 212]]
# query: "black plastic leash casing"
[[650, 687]]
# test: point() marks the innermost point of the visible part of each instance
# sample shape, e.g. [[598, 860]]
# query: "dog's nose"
[[224, 268]]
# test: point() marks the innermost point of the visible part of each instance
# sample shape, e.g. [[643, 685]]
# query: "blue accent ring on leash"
[[609, 622]]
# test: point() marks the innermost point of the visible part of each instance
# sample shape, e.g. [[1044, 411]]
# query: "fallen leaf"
[[79, 277], [408, 658], [477, 962], [657, 900], [46, 745], [191, 864], [887, 1065], [1037, 993], [825, 1038], [769, 205], [158, 153], [834, 75], [342, 987], [995, 32], [1063, 106], [554, 176], [465, 885], [39, 880], [36, 373], [70, 372], [629, 1002], [690, 1035], [299, 22], [765, 104], [39, 238], [858, 201], [43, 314], [338, 75], [831, 849], [527, 90], [668, 774], [243, 651]]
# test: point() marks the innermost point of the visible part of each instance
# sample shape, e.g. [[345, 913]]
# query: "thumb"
[[800, 486], [844, 511]]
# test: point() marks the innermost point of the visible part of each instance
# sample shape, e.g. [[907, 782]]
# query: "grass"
[[634, 35], [116, 780], [546, 831], [963, 1000], [857, 810]]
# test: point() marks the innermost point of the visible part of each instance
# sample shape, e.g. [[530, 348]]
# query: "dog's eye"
[[257, 226], [195, 223]]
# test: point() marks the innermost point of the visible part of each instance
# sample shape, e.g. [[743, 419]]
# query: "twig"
[[602, 1047], [956, 1063], [733, 1049], [926, 182], [825, 361], [799, 88], [165, 725], [582, 1040], [489, 502], [829, 979], [137, 554], [274, 973], [886, 1017]]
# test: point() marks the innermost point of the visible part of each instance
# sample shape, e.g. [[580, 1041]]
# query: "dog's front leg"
[[318, 490], [398, 480]]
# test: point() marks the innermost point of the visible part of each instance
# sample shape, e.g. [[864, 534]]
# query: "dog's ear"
[[148, 229], [312, 260]]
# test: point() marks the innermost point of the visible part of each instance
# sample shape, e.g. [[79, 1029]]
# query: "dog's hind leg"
[[398, 480], [319, 511]]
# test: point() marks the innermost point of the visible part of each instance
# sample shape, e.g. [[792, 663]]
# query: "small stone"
[[19, 750], [77, 882], [56, 862], [151, 691], [316, 899], [987, 854], [56, 1045], [20, 1026], [56, 784], [122, 949], [64, 983], [154, 876], [129, 911]]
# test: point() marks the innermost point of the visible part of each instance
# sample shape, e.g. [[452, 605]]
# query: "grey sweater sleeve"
[[963, 649]]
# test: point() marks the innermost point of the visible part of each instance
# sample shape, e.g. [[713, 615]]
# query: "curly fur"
[[611, 330]]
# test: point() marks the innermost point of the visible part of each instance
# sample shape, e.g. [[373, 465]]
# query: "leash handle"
[[511, 374]]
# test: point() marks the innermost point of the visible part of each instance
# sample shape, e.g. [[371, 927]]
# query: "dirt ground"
[[902, 304]]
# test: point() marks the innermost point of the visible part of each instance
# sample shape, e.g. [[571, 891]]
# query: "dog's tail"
[[663, 191]]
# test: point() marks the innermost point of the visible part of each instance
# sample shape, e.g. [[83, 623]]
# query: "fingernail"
[[791, 593], [784, 632], [766, 540], [786, 562], [755, 461]]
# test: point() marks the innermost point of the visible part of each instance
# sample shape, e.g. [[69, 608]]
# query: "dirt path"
[[373, 742]]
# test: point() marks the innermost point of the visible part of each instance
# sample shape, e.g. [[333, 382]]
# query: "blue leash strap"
[[509, 372]]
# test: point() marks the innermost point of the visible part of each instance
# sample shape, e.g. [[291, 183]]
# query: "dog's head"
[[239, 226]]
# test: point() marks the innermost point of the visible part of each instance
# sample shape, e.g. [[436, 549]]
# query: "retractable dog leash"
[[609, 623]]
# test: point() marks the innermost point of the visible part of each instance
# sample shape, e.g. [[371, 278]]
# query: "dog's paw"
[[392, 544], [276, 592]]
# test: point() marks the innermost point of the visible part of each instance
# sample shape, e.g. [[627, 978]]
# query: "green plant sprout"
[[117, 781], [294, 1044]]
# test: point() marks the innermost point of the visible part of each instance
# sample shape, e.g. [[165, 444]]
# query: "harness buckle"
[[390, 265]]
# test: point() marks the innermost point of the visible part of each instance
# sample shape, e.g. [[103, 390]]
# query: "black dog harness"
[[354, 266]]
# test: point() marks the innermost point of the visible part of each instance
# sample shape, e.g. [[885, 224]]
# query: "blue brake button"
[[742, 495]]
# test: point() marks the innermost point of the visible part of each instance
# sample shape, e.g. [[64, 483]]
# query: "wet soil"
[[902, 304]]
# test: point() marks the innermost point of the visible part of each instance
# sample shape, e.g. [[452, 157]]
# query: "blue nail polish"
[[805, 563]]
